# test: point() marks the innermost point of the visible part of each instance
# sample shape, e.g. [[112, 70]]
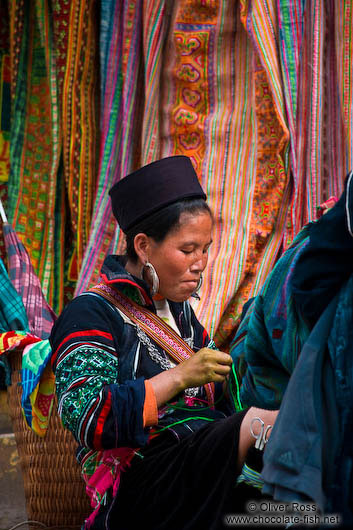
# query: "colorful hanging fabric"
[[120, 41], [76, 45], [320, 144], [5, 110], [342, 14], [5, 98], [315, 50], [36, 205], [131, 44], [258, 95], [200, 118], [13, 315], [40, 316], [19, 326], [231, 122], [11, 340], [38, 386], [265, 189], [37, 378]]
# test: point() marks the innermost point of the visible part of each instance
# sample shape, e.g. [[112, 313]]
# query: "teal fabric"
[[12, 312], [12, 315], [34, 361], [269, 339], [250, 477]]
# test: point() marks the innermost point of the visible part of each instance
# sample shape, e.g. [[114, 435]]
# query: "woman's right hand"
[[203, 367]]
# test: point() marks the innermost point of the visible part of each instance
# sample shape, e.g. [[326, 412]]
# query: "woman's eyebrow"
[[190, 243]]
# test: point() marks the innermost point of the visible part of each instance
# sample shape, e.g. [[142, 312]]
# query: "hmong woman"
[[139, 382]]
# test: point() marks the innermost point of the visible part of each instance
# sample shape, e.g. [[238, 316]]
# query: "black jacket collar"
[[113, 272]]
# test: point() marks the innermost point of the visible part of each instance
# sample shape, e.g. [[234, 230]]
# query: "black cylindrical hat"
[[153, 187]]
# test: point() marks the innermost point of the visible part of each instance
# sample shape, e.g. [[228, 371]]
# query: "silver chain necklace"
[[164, 362]]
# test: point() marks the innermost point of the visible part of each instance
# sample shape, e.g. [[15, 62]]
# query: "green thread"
[[250, 477], [236, 399], [183, 421]]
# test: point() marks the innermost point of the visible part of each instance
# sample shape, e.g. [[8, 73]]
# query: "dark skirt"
[[181, 485]]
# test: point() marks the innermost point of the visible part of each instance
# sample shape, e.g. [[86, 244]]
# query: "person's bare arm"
[[246, 439]]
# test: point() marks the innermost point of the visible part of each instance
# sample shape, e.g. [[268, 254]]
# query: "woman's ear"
[[142, 245]]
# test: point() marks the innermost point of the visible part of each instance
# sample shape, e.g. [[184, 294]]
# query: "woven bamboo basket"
[[54, 489]]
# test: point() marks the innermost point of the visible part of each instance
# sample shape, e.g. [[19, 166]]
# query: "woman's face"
[[182, 256]]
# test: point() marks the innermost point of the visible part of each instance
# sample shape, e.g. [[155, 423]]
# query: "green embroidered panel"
[[97, 367]]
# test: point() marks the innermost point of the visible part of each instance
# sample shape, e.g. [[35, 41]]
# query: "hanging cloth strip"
[[154, 327]]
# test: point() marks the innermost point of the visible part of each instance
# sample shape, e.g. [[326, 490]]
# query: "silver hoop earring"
[[198, 287], [154, 276]]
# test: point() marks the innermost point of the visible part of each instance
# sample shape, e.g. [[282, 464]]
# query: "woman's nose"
[[200, 264]]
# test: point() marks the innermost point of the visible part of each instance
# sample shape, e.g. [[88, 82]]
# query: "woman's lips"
[[192, 283]]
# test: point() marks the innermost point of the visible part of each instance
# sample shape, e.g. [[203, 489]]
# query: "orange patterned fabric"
[[76, 44], [191, 105], [268, 200]]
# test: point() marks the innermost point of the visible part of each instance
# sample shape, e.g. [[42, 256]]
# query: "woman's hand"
[[203, 367]]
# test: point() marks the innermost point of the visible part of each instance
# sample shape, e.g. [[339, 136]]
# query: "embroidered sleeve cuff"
[[150, 409]]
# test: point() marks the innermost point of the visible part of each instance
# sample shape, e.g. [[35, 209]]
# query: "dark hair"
[[159, 224]]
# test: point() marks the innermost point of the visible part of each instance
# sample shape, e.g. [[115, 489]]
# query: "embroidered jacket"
[[102, 360]]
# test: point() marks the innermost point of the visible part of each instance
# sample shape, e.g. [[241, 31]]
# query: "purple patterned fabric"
[[40, 315]]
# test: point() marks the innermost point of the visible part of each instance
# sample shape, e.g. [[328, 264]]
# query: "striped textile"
[[76, 49], [321, 156], [121, 100], [306, 82], [51, 205], [224, 84], [5, 111], [250, 477], [39, 314], [17, 332], [200, 118], [35, 201], [263, 192], [12, 312], [290, 35], [131, 61], [342, 14]]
